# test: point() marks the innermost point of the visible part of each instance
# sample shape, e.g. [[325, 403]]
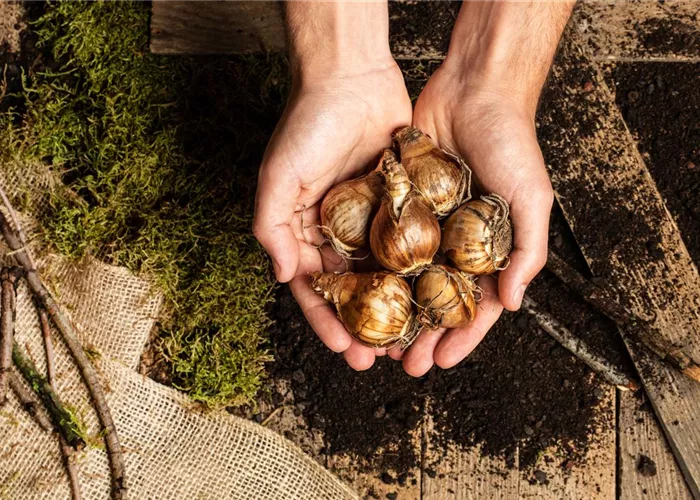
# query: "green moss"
[[158, 158]]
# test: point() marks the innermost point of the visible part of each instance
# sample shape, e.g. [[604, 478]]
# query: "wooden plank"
[[640, 435], [600, 176], [593, 478], [640, 31], [371, 484], [216, 27], [464, 474]]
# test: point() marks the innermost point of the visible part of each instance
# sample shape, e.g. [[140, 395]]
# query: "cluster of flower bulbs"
[[396, 210]]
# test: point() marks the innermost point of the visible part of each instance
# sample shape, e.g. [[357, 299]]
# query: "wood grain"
[[593, 478], [599, 168], [640, 434], [370, 484], [464, 474], [640, 31], [208, 27]]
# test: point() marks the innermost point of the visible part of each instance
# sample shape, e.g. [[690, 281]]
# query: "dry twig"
[[625, 319], [20, 232], [42, 295], [62, 419], [7, 328], [578, 347], [30, 403], [68, 452]]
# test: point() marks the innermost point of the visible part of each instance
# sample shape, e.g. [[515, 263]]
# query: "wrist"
[[337, 39], [506, 48]]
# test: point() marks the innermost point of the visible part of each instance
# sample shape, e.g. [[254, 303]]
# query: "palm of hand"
[[495, 133], [329, 132]]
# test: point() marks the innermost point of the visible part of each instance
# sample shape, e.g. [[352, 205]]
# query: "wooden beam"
[[464, 474], [640, 436], [208, 27], [640, 31], [593, 478], [599, 176]]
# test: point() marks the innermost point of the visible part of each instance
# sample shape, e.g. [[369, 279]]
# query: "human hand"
[[339, 117], [480, 104]]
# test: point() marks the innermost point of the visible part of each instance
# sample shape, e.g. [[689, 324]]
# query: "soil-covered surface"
[[519, 388], [421, 29], [661, 104]]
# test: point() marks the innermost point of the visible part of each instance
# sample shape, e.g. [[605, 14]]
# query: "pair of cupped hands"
[[334, 128]]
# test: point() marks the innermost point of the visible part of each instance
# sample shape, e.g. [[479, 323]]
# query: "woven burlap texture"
[[171, 449]]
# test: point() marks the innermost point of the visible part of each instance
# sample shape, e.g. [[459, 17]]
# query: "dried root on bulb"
[[478, 236], [405, 235], [442, 178], [376, 308], [445, 297]]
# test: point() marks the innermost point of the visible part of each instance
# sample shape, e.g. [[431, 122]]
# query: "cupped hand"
[[332, 129], [494, 130]]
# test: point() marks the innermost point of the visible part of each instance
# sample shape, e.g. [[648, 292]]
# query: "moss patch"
[[158, 157]]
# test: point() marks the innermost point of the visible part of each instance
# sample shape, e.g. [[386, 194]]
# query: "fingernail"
[[518, 295]]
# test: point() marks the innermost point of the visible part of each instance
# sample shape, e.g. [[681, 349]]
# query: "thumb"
[[530, 208], [275, 202]]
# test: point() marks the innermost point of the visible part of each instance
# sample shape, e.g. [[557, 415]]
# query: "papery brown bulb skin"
[[478, 236], [442, 179], [405, 235], [375, 308], [347, 211], [445, 297]]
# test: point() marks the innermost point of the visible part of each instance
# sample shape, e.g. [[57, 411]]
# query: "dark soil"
[[661, 105], [674, 36], [421, 28], [519, 388], [646, 466]]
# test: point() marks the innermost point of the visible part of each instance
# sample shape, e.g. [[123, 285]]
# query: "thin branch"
[[578, 347], [62, 419], [18, 226], [114, 451], [68, 452], [7, 329], [633, 325], [30, 403]]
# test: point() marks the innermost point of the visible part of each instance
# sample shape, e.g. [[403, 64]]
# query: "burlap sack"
[[171, 450]]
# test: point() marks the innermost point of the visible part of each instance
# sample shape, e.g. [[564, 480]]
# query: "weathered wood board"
[[613, 30], [640, 434], [591, 479], [216, 27], [640, 31], [464, 474], [599, 177], [470, 475]]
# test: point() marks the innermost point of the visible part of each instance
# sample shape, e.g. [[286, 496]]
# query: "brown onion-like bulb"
[[348, 208], [445, 297], [375, 308], [441, 178], [478, 236], [405, 235]]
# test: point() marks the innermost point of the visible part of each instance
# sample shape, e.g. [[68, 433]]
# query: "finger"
[[320, 315], [418, 359], [458, 343], [359, 357], [530, 209], [275, 201], [396, 352]]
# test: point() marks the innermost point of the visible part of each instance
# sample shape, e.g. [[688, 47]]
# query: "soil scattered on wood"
[[646, 466], [519, 388], [661, 105]]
